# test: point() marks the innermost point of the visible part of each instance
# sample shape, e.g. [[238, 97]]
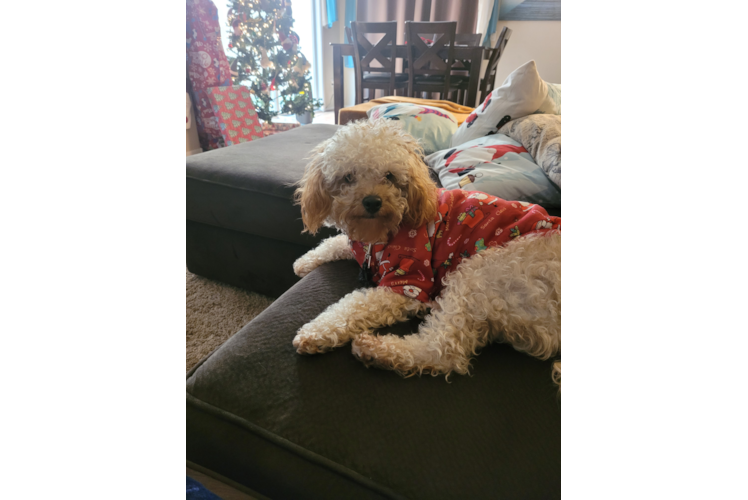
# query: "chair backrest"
[[384, 52], [468, 39], [424, 59], [487, 84], [348, 35]]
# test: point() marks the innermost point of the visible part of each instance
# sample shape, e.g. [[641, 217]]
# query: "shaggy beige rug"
[[215, 312]]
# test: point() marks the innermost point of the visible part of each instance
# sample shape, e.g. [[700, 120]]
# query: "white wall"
[[538, 40]]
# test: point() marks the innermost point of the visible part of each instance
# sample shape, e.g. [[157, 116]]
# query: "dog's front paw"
[[303, 266], [317, 337], [306, 344], [311, 339]]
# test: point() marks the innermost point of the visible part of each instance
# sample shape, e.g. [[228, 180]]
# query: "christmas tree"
[[268, 57]]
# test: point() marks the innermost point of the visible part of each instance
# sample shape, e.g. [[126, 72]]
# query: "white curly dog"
[[369, 181]]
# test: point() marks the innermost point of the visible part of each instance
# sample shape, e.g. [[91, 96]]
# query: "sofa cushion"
[[249, 188], [325, 426], [497, 165], [433, 127], [522, 93]]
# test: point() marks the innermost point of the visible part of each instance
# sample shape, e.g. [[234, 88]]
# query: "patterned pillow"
[[541, 137], [496, 165], [433, 127], [523, 93]]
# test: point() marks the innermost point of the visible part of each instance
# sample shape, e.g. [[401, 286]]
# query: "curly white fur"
[[507, 294], [357, 313], [331, 249]]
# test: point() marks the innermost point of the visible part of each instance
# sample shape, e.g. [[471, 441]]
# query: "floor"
[[219, 488], [215, 312]]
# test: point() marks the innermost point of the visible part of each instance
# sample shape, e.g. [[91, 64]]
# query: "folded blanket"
[[359, 111], [540, 135]]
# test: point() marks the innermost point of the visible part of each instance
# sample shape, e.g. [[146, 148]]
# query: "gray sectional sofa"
[[294, 427]]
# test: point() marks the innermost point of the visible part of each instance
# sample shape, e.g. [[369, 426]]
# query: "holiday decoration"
[[264, 61], [268, 56], [289, 43], [235, 113], [207, 67], [303, 102], [302, 66], [274, 128]]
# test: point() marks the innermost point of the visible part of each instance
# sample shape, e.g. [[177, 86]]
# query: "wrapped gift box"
[[274, 128], [235, 114], [193, 144]]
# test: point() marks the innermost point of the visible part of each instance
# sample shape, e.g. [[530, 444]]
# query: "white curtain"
[[484, 15]]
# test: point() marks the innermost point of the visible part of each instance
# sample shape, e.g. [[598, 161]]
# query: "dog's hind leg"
[[509, 294], [444, 343], [557, 373]]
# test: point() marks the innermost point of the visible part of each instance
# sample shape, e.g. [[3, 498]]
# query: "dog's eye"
[[390, 177], [348, 178]]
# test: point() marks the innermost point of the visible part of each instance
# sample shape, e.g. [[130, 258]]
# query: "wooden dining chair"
[[467, 38], [462, 67], [430, 66], [374, 64], [460, 38], [489, 77]]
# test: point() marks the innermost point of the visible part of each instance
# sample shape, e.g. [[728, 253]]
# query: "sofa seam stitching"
[[240, 188], [294, 448]]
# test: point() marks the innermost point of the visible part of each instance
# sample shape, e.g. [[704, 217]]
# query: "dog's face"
[[367, 180]]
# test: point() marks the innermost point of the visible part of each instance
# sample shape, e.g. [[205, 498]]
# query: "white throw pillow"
[[433, 127], [523, 93]]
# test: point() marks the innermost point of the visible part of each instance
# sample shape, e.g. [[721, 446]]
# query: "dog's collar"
[[364, 275], [367, 255]]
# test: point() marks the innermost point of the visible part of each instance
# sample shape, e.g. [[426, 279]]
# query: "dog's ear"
[[312, 194], [421, 194]]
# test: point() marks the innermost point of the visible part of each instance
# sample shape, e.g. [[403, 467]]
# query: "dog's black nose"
[[372, 204]]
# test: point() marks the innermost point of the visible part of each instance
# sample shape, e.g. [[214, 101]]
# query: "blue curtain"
[[332, 13], [491, 29]]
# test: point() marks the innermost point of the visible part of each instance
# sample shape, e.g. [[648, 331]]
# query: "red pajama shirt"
[[414, 261]]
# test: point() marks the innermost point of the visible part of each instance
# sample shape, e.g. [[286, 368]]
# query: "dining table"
[[467, 53]]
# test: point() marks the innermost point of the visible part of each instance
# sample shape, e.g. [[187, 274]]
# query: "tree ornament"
[[264, 61], [302, 66], [289, 43]]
